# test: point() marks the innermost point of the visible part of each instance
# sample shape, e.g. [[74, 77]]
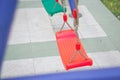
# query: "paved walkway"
[[32, 46]]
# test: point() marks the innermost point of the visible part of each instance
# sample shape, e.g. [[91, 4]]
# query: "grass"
[[113, 6]]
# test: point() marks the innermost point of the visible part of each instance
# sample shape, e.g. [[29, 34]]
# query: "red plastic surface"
[[77, 46], [57, 1], [65, 17], [75, 13], [66, 41]]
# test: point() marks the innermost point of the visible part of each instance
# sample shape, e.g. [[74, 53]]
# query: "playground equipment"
[[52, 6], [7, 9], [72, 53], [70, 48]]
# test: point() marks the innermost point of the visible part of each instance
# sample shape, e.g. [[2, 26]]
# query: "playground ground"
[[32, 47]]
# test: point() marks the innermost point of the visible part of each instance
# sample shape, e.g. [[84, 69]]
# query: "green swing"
[[52, 7]]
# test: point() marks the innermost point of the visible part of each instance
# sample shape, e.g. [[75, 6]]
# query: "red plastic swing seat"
[[66, 41]]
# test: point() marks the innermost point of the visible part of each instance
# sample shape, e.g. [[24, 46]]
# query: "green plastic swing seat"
[[52, 7]]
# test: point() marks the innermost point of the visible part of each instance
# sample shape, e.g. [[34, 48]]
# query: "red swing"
[[69, 47]]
